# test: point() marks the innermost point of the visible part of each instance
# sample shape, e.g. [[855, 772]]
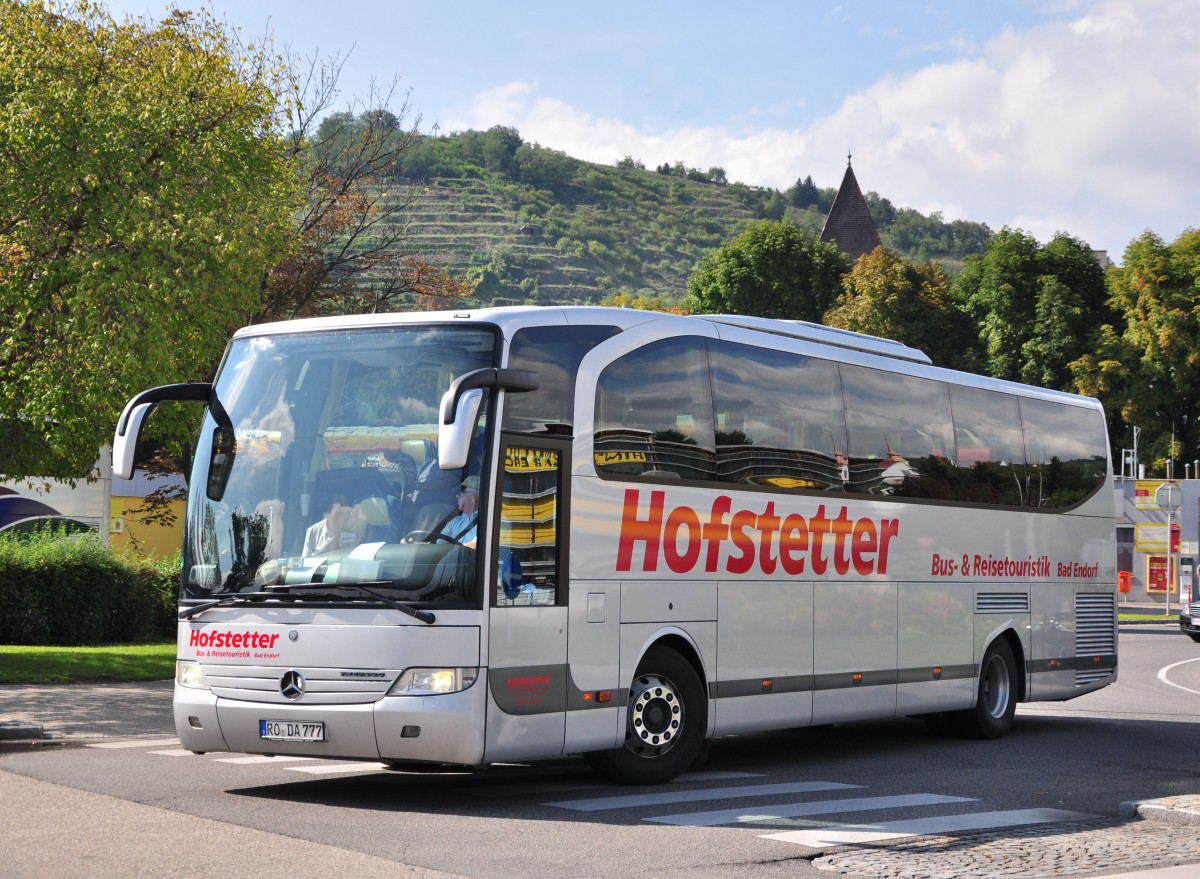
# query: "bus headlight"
[[433, 681], [190, 674]]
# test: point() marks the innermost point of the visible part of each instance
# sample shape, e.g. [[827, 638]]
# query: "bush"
[[71, 591]]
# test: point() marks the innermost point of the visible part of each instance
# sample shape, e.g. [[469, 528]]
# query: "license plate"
[[291, 731]]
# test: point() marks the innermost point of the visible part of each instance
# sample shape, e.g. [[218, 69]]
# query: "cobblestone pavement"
[[1150, 836]]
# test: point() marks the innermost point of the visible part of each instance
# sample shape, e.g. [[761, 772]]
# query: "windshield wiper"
[[236, 598], [422, 615]]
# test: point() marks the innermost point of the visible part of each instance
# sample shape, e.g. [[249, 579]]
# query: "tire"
[[1194, 636], [996, 701], [667, 718]]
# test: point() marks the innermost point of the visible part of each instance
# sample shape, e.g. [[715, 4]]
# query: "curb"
[[12, 746], [1172, 810]]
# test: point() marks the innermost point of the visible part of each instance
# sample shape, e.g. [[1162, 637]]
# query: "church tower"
[[849, 224]]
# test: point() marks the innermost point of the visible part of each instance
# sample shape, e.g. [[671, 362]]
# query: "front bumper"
[[447, 728]]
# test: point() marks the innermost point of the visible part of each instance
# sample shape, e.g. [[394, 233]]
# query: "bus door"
[[527, 640]]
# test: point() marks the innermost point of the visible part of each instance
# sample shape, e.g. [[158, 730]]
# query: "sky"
[[1076, 116]]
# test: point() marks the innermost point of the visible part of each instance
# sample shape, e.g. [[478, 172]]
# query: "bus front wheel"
[[992, 716], [666, 720]]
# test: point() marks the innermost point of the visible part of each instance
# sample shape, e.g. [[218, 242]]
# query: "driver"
[[463, 526]]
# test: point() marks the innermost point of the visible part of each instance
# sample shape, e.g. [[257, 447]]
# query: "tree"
[[144, 193], [885, 295], [350, 253], [1035, 306], [1145, 363], [804, 194], [771, 270]]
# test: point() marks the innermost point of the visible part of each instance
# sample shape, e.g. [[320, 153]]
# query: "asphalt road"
[[748, 812]]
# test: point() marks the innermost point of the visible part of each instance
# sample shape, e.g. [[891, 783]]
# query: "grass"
[[1148, 617], [67, 665]]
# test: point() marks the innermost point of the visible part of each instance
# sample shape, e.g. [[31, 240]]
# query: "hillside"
[[534, 225]]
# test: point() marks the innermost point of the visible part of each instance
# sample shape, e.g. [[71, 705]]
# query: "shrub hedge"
[[57, 590]]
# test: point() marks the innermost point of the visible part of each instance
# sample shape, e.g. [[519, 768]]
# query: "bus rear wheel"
[[666, 720], [992, 716]]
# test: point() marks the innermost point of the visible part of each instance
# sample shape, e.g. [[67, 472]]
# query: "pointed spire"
[[849, 224]]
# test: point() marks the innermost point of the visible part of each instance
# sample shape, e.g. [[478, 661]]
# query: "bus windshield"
[[316, 467]]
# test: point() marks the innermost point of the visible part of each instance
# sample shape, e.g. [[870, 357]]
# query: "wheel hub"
[[655, 716]]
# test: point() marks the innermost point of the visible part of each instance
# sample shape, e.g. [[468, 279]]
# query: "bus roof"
[[513, 317], [509, 319]]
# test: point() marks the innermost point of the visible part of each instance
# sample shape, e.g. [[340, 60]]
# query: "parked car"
[[1189, 612]]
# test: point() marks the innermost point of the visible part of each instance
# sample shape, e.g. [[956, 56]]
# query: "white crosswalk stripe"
[[751, 814], [589, 782], [259, 759], [630, 801], [133, 743], [757, 814], [852, 834], [334, 768]]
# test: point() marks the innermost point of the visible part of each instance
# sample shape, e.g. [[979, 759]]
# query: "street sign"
[[1169, 496]]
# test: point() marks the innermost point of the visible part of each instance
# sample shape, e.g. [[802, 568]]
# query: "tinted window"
[[990, 450], [1066, 447], [527, 565], [901, 437], [654, 413], [780, 420], [554, 353]]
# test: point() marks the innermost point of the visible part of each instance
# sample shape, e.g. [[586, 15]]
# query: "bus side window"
[[654, 413], [782, 422], [901, 434]]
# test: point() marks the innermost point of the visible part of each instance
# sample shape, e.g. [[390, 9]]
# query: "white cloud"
[[1089, 125]]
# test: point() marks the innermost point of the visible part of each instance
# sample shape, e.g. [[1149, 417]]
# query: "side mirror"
[[137, 410], [460, 408], [125, 444], [454, 439], [224, 450]]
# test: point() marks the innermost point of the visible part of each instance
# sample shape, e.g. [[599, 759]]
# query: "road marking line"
[[1162, 676], [135, 743], [260, 758], [693, 796], [749, 815], [591, 783], [853, 834], [178, 752], [333, 768]]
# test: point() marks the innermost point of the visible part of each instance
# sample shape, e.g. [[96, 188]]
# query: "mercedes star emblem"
[[292, 684]]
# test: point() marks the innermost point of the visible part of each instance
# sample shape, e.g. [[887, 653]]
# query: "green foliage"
[[74, 590], [1034, 306], [926, 237], [143, 192], [576, 232], [773, 269], [885, 295], [1144, 361]]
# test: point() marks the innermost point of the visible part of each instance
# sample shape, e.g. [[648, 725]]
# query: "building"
[[101, 504], [1153, 541], [849, 224]]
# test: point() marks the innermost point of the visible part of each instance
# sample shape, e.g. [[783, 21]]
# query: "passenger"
[[342, 527]]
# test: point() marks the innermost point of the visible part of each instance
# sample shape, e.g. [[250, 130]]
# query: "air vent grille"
[[1095, 636], [1002, 602]]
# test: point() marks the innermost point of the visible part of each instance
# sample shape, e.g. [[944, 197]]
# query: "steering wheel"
[[430, 537]]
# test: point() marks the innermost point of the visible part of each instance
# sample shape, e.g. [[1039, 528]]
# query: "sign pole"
[[1169, 497]]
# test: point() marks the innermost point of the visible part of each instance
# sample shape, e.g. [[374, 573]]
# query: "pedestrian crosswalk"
[[806, 813]]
